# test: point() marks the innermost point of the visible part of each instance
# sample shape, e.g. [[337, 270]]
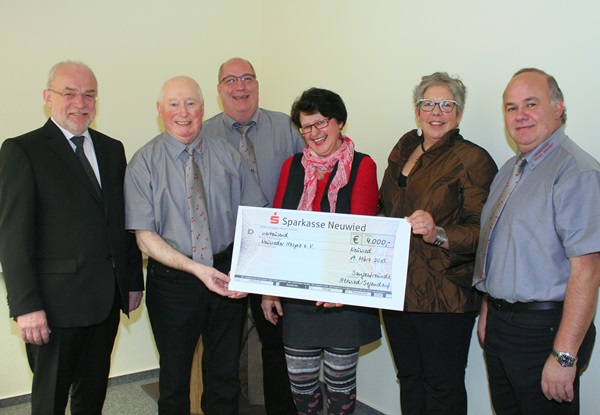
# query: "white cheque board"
[[331, 257]]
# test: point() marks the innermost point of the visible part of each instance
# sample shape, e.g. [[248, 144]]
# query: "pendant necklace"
[[422, 148], [414, 163]]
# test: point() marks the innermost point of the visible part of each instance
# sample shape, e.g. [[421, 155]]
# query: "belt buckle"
[[495, 303]]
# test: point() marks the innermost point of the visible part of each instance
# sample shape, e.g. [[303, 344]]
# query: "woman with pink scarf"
[[328, 176]]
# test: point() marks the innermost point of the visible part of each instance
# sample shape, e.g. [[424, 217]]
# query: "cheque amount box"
[[371, 239]]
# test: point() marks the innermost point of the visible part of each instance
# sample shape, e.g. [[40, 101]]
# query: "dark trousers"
[[517, 345], [276, 383], [430, 351], [77, 359], [181, 308]]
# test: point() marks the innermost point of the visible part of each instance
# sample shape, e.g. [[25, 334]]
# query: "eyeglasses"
[[70, 95], [319, 125], [232, 79], [428, 105]]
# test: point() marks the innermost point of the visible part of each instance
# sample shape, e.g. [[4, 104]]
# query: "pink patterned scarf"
[[313, 162]]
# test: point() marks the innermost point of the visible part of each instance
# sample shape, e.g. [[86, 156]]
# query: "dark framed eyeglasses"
[[428, 105], [319, 125]]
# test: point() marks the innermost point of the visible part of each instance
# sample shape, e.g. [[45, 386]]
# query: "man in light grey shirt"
[[274, 139], [542, 268], [187, 298]]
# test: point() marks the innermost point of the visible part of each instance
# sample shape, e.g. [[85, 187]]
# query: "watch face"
[[565, 360]]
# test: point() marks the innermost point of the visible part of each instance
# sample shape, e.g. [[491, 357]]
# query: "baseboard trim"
[[117, 380], [15, 400]]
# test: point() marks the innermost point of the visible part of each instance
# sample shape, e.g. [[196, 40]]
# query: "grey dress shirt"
[[274, 138], [155, 192], [551, 216]]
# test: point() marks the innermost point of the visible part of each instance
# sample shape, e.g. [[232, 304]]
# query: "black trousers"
[[430, 352], [517, 345], [181, 308], [276, 383], [77, 359]]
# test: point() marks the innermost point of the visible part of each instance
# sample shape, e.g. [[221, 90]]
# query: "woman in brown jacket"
[[439, 181]]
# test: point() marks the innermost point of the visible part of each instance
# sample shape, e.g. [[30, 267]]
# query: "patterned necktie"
[[246, 146], [200, 229], [80, 153], [486, 232]]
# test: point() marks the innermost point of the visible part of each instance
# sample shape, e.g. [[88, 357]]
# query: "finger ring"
[[424, 224]]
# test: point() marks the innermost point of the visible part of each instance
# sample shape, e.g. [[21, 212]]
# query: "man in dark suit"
[[69, 265]]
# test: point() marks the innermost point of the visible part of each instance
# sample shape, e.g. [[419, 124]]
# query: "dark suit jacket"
[[60, 245]]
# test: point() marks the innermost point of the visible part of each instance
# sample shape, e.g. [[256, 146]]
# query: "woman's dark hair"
[[314, 100]]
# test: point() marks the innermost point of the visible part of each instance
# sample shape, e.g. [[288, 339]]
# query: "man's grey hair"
[[59, 65], [196, 85]]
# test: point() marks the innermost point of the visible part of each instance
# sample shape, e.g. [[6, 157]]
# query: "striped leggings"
[[304, 366]]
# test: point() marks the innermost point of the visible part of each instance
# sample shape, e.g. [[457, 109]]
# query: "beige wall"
[[372, 53]]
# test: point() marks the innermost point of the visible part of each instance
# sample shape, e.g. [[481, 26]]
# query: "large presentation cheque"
[[332, 257]]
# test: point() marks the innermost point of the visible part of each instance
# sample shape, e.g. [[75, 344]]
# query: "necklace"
[[420, 155]]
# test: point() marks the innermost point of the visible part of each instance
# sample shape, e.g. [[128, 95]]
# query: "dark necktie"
[[246, 146], [200, 229], [80, 153], [486, 232]]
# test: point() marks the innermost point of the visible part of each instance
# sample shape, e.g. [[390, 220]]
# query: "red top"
[[365, 193]]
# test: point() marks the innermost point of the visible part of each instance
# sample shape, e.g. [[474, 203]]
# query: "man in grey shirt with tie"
[[187, 293], [272, 139], [539, 264]]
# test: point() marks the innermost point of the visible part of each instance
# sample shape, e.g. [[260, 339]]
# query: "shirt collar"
[[175, 147], [68, 135], [545, 148], [230, 121]]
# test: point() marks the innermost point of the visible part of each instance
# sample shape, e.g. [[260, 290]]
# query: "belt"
[[502, 305], [218, 259]]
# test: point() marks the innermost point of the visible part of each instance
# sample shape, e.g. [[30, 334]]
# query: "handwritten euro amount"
[[376, 240]]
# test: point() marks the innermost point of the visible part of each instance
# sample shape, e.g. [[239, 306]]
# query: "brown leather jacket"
[[451, 181]]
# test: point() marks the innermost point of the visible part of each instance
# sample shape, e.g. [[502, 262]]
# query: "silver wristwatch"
[[564, 359], [441, 237]]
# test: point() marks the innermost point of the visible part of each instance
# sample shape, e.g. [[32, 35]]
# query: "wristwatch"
[[565, 359], [441, 237]]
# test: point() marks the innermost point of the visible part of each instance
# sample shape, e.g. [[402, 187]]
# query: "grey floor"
[[126, 397]]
